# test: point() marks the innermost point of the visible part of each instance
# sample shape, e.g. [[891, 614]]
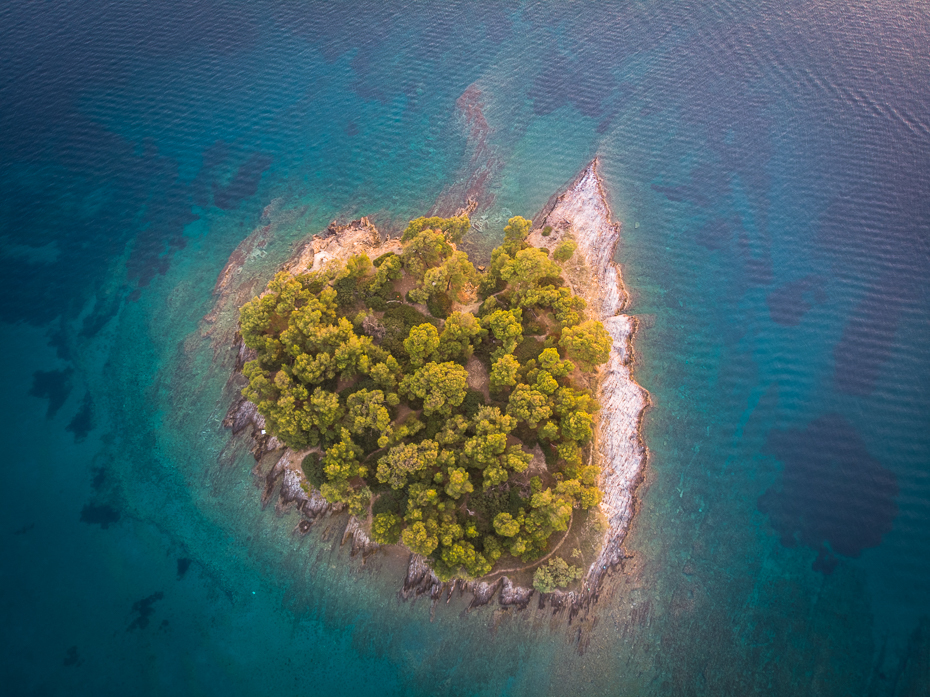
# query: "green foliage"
[[588, 343], [406, 460], [390, 269], [515, 232], [312, 466], [556, 573], [458, 482], [506, 326], [385, 528], [529, 404], [546, 231], [473, 401], [439, 305], [528, 349], [425, 250], [527, 267], [398, 320], [505, 525], [565, 250], [441, 387], [390, 501], [453, 228], [504, 372], [344, 365], [347, 283], [421, 344], [461, 331], [418, 539]]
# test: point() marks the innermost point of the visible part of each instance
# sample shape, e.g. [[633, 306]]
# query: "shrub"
[[546, 231], [439, 305], [312, 466], [380, 260], [565, 250], [557, 573], [390, 501], [473, 401]]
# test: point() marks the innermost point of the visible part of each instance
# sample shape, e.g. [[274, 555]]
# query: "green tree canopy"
[[421, 344], [453, 228], [588, 343], [348, 369], [504, 372], [441, 386], [459, 335]]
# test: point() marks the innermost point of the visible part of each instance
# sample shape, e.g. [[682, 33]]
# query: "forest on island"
[[351, 371]]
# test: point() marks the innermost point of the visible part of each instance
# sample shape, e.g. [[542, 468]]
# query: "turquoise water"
[[770, 163]]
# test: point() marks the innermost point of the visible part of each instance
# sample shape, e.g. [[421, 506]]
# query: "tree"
[[588, 343], [545, 383], [421, 344], [441, 386], [423, 251], [507, 327], [385, 374], [341, 460], [528, 404], [515, 233], [551, 511], [453, 228], [459, 483], [527, 267], [419, 540], [404, 461], [325, 413], [366, 411], [390, 270], [385, 528], [505, 525], [460, 332], [549, 360], [576, 426], [504, 372], [450, 277]]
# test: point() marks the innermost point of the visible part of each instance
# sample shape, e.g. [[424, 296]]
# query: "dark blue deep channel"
[[770, 163]]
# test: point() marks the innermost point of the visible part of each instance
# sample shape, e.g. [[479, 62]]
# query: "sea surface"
[[770, 163]]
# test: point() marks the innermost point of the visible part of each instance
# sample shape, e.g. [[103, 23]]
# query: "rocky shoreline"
[[581, 211]]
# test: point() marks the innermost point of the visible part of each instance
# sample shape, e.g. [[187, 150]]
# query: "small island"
[[449, 408]]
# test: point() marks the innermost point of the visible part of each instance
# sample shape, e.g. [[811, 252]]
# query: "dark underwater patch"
[[53, 385], [71, 658], [244, 183], [99, 478], [833, 496], [144, 609], [790, 302], [103, 515], [183, 565], [104, 310], [83, 421]]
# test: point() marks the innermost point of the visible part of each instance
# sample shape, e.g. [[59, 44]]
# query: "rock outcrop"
[[582, 213]]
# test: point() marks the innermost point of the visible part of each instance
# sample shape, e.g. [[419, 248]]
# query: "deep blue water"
[[770, 162]]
